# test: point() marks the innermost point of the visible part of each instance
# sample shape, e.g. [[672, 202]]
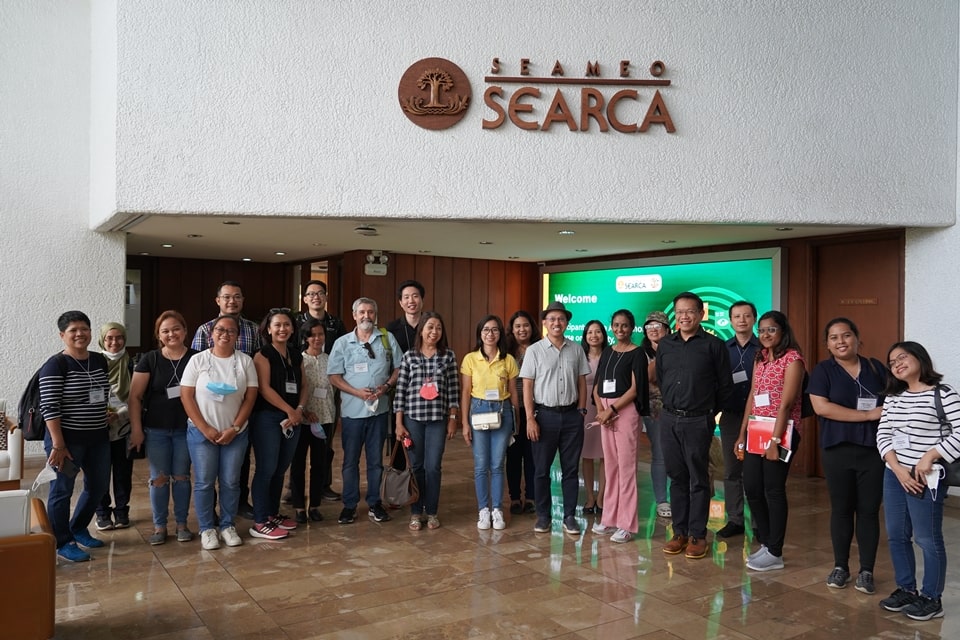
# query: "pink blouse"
[[768, 378]]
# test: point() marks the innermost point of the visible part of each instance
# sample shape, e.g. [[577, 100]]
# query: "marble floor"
[[368, 580]]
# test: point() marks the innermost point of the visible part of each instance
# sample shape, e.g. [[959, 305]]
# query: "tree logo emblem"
[[434, 93]]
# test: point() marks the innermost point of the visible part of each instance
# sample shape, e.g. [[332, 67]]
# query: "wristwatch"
[[775, 440], [583, 411]]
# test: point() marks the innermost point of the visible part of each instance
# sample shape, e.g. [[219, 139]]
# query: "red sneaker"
[[268, 531], [284, 522]]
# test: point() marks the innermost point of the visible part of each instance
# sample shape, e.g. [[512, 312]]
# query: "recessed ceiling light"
[[319, 244], [167, 245], [194, 235], [580, 250], [144, 253], [485, 242], [668, 241], [784, 228], [231, 222], [566, 232], [366, 230], [423, 251], [279, 253], [513, 257], [247, 259]]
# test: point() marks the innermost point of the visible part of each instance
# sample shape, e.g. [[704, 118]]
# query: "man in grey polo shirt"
[[554, 374]]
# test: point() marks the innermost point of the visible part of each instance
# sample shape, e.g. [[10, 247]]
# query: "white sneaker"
[[599, 529], [231, 537], [756, 554], [498, 522], [765, 562], [483, 523], [621, 535], [209, 539]]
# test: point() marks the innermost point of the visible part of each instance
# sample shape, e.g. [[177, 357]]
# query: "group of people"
[[519, 403]]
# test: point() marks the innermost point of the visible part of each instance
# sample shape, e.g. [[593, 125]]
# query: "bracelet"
[[453, 417], [63, 448], [614, 408], [299, 407]]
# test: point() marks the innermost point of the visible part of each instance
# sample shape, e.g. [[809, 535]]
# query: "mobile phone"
[[784, 454], [69, 468]]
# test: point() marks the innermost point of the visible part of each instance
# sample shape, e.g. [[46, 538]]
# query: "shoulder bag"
[[952, 469], [398, 487]]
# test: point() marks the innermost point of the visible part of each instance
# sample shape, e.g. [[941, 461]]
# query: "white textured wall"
[[50, 261], [819, 111]]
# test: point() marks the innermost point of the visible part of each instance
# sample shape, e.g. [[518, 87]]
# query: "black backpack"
[[29, 418]]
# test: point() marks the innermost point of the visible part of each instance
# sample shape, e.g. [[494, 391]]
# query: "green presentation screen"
[[594, 292]]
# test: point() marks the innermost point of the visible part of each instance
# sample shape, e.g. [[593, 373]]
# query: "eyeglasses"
[[688, 312], [235, 296], [366, 345], [900, 358], [489, 330], [315, 294], [771, 330], [653, 326], [280, 310], [221, 331]]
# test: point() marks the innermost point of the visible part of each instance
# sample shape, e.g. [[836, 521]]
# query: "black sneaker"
[[730, 530], [104, 523], [330, 494], [571, 526], [924, 608], [839, 578], [122, 521], [378, 513], [347, 516], [899, 600], [542, 525], [865, 583]]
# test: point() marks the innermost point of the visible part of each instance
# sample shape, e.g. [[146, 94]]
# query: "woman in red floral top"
[[776, 393]]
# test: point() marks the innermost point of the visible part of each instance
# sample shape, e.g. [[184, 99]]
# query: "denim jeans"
[[169, 458], [922, 520], [273, 453], [93, 458], [658, 470], [489, 453], [366, 434], [429, 443], [121, 468], [559, 432], [213, 463]]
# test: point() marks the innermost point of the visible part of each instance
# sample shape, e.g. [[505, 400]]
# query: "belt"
[[563, 409], [688, 414]]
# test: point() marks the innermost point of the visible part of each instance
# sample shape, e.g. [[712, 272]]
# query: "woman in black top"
[[275, 421], [157, 418]]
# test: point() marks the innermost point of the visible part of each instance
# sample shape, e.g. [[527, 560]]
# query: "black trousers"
[[765, 483], [317, 448], [559, 432], [121, 468], [520, 461], [686, 453], [855, 482]]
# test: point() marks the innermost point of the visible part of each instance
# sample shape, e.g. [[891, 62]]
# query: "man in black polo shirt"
[[693, 368]]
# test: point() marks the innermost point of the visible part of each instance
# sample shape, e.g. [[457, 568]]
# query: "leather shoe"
[[315, 514], [696, 548], [300, 517], [677, 544], [516, 507], [730, 530], [330, 494]]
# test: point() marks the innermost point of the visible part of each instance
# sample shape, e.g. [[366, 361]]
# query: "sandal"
[[433, 522], [415, 524]]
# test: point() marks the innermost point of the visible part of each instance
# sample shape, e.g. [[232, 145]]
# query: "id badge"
[[866, 404], [290, 387], [360, 367], [491, 394], [739, 376], [761, 400], [609, 386], [320, 392], [96, 396], [901, 441], [217, 397], [173, 392], [429, 390]]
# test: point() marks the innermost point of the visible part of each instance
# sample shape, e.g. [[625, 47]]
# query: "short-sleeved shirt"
[[416, 370], [238, 371], [76, 392], [321, 398], [831, 381], [555, 372], [768, 377], [160, 411], [248, 340], [487, 376], [350, 359], [622, 367]]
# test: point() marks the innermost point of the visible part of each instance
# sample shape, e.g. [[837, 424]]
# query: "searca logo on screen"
[[639, 284]]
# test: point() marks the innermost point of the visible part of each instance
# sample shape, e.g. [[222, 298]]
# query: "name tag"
[[320, 392], [491, 394], [609, 386], [901, 441], [217, 397], [739, 376], [761, 400], [173, 392], [360, 367], [97, 396], [290, 387], [866, 404]]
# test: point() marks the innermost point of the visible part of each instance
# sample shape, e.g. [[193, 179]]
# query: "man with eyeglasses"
[[364, 365], [554, 374], [230, 300], [693, 368], [742, 349]]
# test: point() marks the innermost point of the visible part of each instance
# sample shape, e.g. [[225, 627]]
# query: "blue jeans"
[[559, 432], [212, 463], [921, 519], [489, 453], [273, 453], [429, 443], [93, 458], [658, 470], [169, 459], [366, 434]]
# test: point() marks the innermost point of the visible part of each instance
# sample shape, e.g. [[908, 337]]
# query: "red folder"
[[760, 430]]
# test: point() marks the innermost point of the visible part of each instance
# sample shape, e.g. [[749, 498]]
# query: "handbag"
[[398, 487], [951, 469], [485, 421]]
